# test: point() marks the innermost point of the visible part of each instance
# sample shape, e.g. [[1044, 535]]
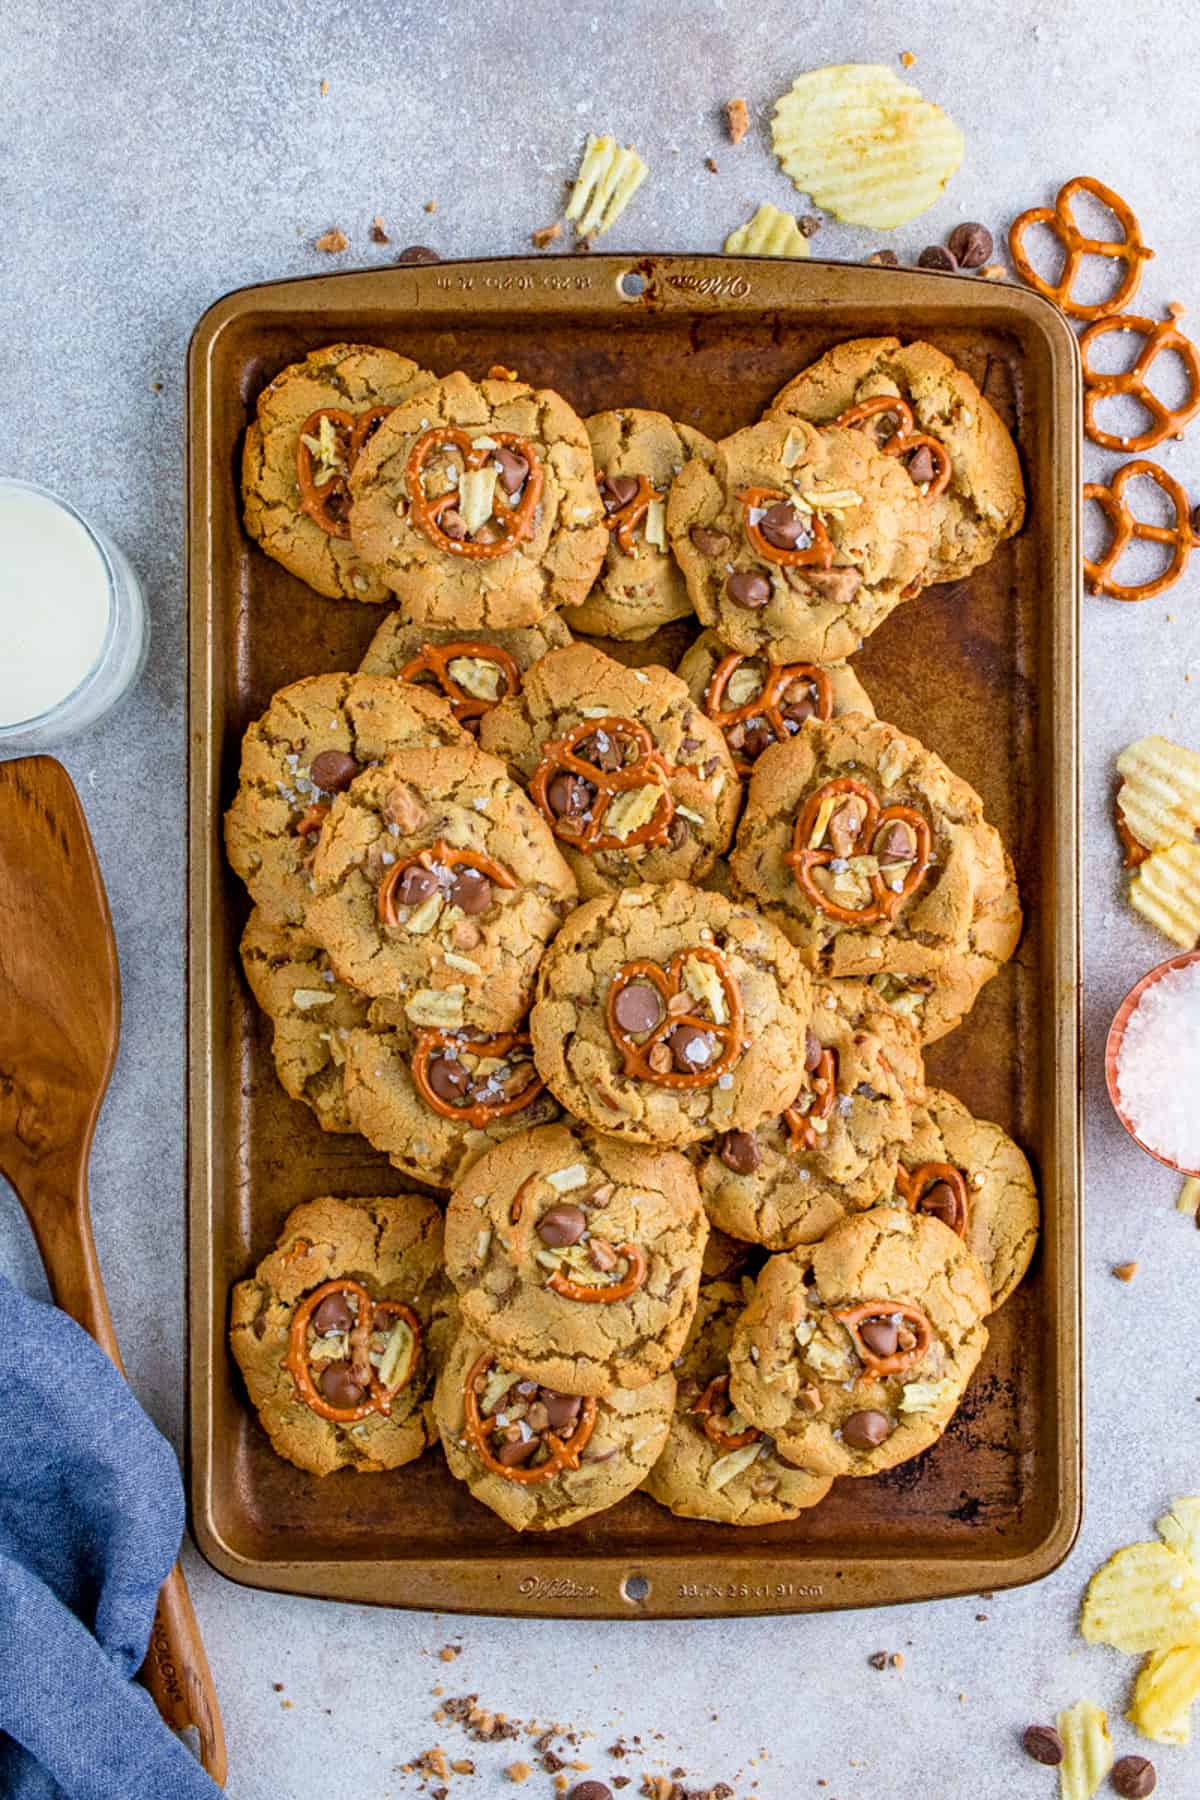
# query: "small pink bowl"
[[1116, 1035]]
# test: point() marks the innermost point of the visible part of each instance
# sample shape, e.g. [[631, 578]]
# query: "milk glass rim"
[[21, 726]]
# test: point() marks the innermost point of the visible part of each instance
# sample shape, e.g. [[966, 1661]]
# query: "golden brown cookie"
[[471, 672], [477, 503], [634, 782], [339, 1332], [984, 502], [436, 884], [715, 1465], [796, 543], [311, 742], [578, 1257], [637, 454], [586, 1453], [836, 1149], [665, 1015], [854, 1353], [294, 491]]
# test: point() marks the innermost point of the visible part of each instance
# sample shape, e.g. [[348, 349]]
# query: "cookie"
[[665, 1015], [757, 703], [586, 1453], [477, 503], [471, 673], [313, 1016], [836, 1149], [662, 648], [311, 423], [436, 884], [867, 851], [637, 454], [854, 1353], [434, 1101], [796, 543], [339, 1331], [971, 1175], [716, 1466], [577, 1258], [983, 499], [313, 739], [633, 781]]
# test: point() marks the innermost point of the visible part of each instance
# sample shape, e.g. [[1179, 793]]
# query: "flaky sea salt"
[[1158, 1074]]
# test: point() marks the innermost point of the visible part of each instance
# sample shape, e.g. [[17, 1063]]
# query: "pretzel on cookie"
[[296, 1362], [478, 1114], [623, 521], [508, 526], [766, 704], [888, 1311], [912, 1185], [816, 554], [802, 1127], [446, 855], [905, 439], [435, 660], [1111, 501], [650, 767], [562, 1453], [805, 855], [604, 1293], [668, 984], [1130, 250], [713, 1406], [353, 431]]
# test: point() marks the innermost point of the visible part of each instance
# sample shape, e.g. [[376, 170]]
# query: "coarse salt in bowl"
[[1152, 1063]]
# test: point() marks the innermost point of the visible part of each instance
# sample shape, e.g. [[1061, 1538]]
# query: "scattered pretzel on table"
[[905, 439], [801, 1126], [712, 1407], [1125, 528], [1161, 335], [624, 520], [1130, 250], [296, 1362], [387, 906], [816, 554], [804, 856], [563, 1453], [435, 660], [431, 1045], [913, 1185], [886, 1312], [585, 831], [508, 527], [668, 983], [353, 430], [767, 703]]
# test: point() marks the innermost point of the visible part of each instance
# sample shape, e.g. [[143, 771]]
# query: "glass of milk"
[[73, 628]]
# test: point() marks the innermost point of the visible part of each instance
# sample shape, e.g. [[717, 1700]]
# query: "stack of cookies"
[[600, 902]]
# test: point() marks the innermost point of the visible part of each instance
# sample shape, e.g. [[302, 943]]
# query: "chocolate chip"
[[866, 1430], [1043, 1743], [970, 244], [936, 256], [707, 542], [677, 832], [470, 891], [638, 1007], [453, 525], [880, 1336], [1133, 1777], [812, 1052], [448, 1079], [896, 843], [332, 1315], [513, 469], [569, 796], [562, 1226], [757, 736], [602, 750], [921, 466], [783, 527], [418, 253], [416, 884], [617, 491], [562, 1408], [602, 1256], [747, 589], [796, 712], [940, 1202], [590, 1790], [333, 771], [339, 1387], [516, 1451], [691, 1048], [740, 1152]]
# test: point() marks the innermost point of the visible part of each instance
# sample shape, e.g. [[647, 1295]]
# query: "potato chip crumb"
[[332, 242], [608, 178], [1087, 1750], [737, 120], [548, 234], [1189, 1197], [769, 233]]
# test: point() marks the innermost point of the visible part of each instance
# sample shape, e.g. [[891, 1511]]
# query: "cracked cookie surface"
[[985, 500], [576, 691], [472, 683], [709, 1474], [393, 1248], [322, 730], [795, 1370], [466, 870], [352, 378], [554, 566], [637, 454], [872, 512], [584, 1065], [546, 1226], [629, 1429], [940, 917], [794, 1177]]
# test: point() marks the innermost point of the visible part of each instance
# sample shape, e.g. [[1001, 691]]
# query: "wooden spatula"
[[60, 1014]]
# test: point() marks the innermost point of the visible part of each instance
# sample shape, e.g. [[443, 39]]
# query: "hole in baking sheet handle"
[[631, 284], [635, 1589]]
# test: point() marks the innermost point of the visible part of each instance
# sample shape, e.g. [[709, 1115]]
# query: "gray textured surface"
[[154, 157]]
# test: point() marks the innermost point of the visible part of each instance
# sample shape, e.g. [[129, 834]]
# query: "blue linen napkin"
[[91, 1515]]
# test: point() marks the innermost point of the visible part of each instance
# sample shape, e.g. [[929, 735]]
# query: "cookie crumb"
[[278, 1686], [434, 1762], [547, 235], [809, 224], [448, 1652], [463, 1767], [379, 231], [710, 163], [897, 1659], [431, 206], [324, 88], [884, 259], [737, 120], [1125, 1271], [907, 58], [878, 1660], [518, 1771], [993, 272], [333, 241]]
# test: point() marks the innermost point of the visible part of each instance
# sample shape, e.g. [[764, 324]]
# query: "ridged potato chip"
[[1180, 1527], [608, 179], [865, 145], [1165, 889], [1087, 1750], [1159, 798], [1146, 1597], [1188, 1202], [1163, 1694], [769, 233]]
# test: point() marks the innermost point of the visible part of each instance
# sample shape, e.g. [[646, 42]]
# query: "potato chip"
[[1180, 1528], [1146, 1597], [1166, 1687], [1159, 798], [769, 233], [864, 144], [1165, 889], [608, 179], [1087, 1750], [1189, 1197]]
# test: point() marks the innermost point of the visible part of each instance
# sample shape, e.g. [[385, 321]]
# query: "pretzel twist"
[[668, 983], [623, 521], [713, 1406], [854, 1317], [451, 857], [650, 767], [1130, 250], [435, 660], [296, 1362], [604, 1293], [564, 1453], [1124, 527], [801, 1126], [766, 704], [478, 1114], [912, 1185], [353, 429], [512, 525], [1160, 335], [905, 439], [804, 856], [817, 554]]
